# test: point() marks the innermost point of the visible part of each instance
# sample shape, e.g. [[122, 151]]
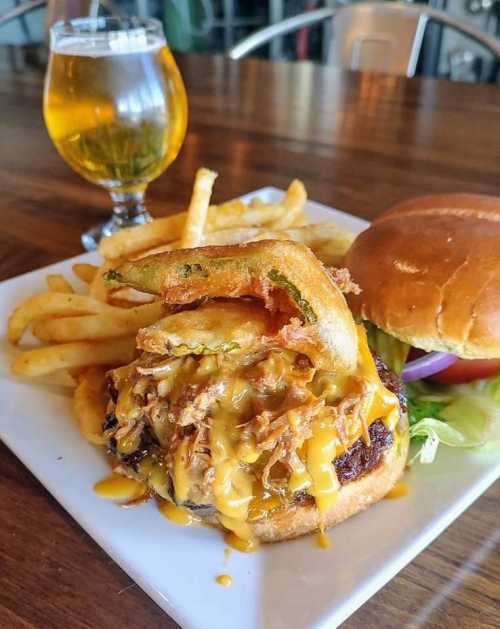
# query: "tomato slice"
[[467, 370]]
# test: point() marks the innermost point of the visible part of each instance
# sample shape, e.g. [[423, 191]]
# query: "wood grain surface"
[[360, 142]]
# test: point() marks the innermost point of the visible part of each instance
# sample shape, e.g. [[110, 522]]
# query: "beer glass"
[[116, 109]]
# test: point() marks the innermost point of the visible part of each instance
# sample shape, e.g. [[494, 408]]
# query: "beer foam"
[[107, 44]]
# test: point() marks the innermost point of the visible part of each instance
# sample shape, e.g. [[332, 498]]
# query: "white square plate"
[[288, 585]]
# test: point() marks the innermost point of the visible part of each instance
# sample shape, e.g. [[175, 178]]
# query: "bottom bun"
[[353, 497]]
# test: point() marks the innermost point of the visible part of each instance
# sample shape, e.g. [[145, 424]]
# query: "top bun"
[[429, 269]]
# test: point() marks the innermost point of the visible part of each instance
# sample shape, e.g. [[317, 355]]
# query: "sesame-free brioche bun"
[[429, 270], [353, 497]]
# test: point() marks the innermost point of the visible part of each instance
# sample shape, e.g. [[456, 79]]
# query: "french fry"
[[98, 288], [232, 236], [310, 235], [293, 202], [129, 296], [170, 246], [50, 304], [45, 360], [237, 214], [106, 325], [141, 237], [162, 231], [332, 252], [58, 283], [89, 403], [85, 272], [270, 235], [329, 242], [192, 233], [300, 220]]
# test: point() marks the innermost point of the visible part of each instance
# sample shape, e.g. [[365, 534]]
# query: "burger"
[[254, 405], [429, 270]]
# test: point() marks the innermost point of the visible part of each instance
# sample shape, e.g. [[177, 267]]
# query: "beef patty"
[[360, 458]]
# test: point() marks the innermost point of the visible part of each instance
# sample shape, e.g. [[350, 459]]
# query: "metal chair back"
[[377, 37], [371, 36], [24, 26]]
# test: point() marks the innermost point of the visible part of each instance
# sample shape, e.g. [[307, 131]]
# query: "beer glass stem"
[[128, 209]]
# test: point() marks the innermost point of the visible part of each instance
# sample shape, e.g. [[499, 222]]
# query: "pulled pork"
[[167, 413]]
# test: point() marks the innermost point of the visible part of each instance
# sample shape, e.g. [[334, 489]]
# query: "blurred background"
[[216, 26]]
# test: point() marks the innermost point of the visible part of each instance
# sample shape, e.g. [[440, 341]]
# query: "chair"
[[90, 8], [371, 36], [191, 25], [24, 26]]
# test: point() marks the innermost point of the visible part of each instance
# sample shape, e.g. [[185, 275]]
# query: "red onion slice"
[[427, 365]]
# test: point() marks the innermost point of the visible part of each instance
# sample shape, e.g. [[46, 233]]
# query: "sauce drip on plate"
[[225, 580], [243, 545], [400, 490], [322, 540]]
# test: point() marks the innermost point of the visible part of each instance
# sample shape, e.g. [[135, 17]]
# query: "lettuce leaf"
[[460, 416], [392, 351], [464, 416]]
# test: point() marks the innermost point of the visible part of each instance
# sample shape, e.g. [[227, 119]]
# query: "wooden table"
[[360, 142]]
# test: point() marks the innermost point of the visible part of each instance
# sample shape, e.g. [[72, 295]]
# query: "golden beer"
[[117, 110]]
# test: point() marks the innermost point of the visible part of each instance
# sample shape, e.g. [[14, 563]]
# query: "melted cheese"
[[263, 503], [181, 476], [299, 481], [127, 408], [157, 480], [117, 487], [247, 451], [383, 403], [232, 485], [232, 488], [321, 449], [178, 515], [129, 443]]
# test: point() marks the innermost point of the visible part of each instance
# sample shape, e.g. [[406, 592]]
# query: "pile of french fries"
[[82, 335]]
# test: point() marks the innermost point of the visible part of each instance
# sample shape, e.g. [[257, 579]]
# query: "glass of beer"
[[116, 109]]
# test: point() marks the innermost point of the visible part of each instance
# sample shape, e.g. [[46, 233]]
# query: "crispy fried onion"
[[273, 372], [189, 416], [349, 412], [283, 431], [296, 337], [343, 280], [194, 402]]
